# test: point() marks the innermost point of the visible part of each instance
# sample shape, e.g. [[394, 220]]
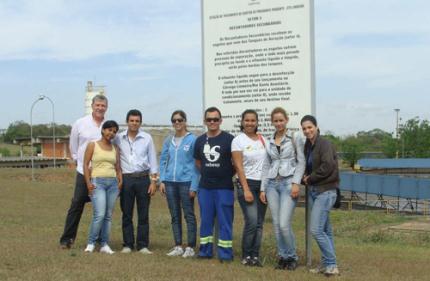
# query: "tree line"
[[21, 129], [413, 140]]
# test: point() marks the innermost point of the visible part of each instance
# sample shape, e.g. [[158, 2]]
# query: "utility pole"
[[397, 110]]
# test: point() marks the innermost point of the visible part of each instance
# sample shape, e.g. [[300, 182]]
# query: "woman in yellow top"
[[103, 176]]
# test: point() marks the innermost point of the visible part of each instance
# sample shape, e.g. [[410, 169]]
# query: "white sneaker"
[[189, 253], [89, 248], [106, 249], [126, 250], [319, 269], [145, 251], [176, 251], [331, 270]]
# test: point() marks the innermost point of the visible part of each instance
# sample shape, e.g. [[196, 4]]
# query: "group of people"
[[265, 172]]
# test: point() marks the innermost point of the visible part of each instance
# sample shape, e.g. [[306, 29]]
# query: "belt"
[[137, 174], [279, 177]]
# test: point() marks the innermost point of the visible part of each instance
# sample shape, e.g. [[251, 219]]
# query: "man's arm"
[[74, 142], [153, 167], [118, 167], [87, 172]]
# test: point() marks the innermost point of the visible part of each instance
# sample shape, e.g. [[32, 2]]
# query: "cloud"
[[371, 57], [81, 30], [373, 40], [351, 117]]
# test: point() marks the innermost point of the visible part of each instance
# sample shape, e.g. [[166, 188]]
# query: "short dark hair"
[[133, 112], [181, 113], [249, 111], [110, 124], [309, 118], [213, 109]]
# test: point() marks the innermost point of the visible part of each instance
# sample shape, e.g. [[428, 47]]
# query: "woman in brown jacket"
[[322, 179]]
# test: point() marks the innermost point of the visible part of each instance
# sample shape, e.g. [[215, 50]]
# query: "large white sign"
[[258, 54]]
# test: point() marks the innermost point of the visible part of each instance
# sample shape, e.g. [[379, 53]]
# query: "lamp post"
[[401, 128], [53, 127], [41, 97]]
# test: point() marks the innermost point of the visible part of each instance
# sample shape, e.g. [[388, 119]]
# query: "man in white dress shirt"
[[140, 174], [84, 130]]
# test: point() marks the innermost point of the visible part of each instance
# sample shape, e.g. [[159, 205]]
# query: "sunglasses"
[[215, 120], [180, 120]]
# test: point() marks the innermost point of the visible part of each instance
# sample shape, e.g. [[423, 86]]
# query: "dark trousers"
[[135, 189], [80, 197], [253, 214]]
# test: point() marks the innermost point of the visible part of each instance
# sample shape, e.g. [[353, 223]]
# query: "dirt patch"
[[421, 226], [59, 175], [45, 178]]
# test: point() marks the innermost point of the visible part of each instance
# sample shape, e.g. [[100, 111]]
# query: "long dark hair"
[[110, 124], [182, 114], [249, 111], [309, 118]]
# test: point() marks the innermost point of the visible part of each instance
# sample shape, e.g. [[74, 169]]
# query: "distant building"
[[92, 91], [61, 147], [46, 147], [3, 132]]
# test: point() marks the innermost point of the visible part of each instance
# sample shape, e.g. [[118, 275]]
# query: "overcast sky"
[[371, 57]]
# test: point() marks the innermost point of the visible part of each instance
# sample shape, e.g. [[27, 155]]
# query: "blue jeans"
[[253, 214], [177, 194], [282, 205], [321, 230], [103, 199]]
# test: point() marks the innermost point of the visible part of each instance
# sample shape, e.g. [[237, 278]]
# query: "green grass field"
[[32, 217]]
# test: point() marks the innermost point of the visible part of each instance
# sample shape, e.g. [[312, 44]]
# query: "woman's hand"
[[152, 188], [91, 188], [248, 195], [192, 194], [295, 191], [305, 179], [263, 198], [163, 189]]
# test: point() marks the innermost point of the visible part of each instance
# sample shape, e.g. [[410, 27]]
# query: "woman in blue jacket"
[[179, 180]]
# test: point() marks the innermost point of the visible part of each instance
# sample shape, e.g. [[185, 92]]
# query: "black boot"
[[281, 264], [291, 264]]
